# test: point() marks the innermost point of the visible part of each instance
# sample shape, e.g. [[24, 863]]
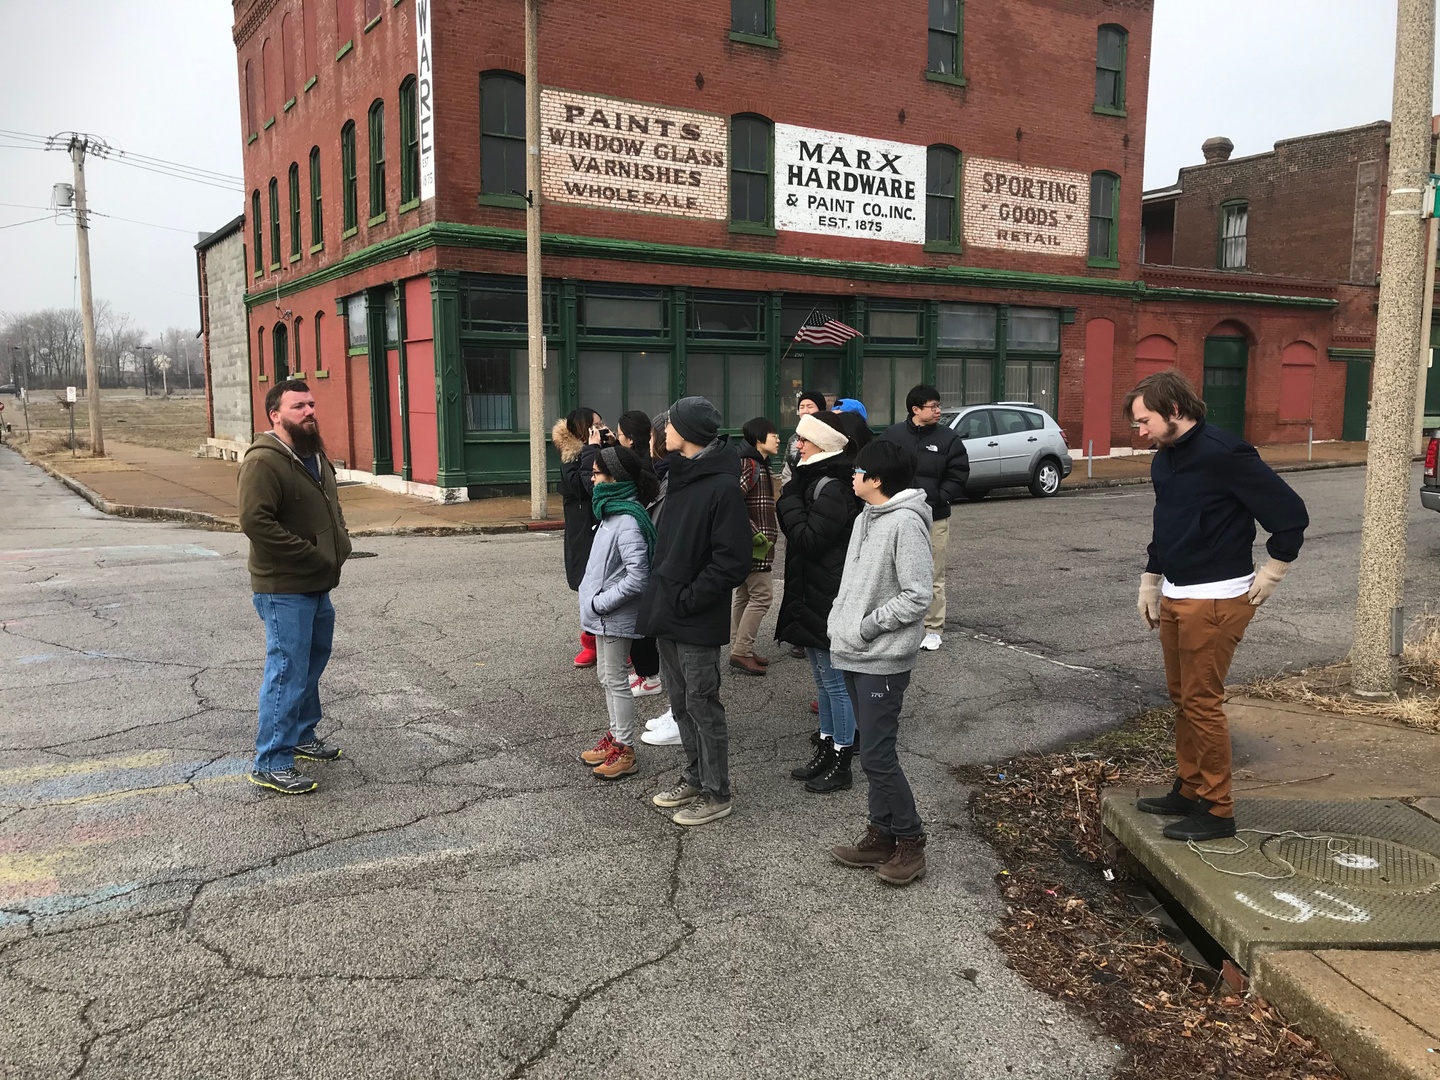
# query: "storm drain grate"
[[1357, 862]]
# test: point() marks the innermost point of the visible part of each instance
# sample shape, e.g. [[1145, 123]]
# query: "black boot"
[[822, 759], [837, 776], [1174, 804], [1200, 825]]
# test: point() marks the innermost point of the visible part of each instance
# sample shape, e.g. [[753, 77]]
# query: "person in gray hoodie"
[[876, 626]]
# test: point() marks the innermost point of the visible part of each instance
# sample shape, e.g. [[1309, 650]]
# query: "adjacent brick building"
[[222, 272], [968, 197]]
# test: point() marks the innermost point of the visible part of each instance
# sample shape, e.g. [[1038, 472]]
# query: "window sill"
[[313, 80], [516, 202], [322, 374], [371, 25], [1106, 110], [345, 49], [764, 41], [1233, 269], [298, 376], [752, 228], [315, 249], [949, 249], [253, 136], [1103, 264], [257, 275], [348, 233], [406, 207], [288, 105], [946, 77], [262, 378], [294, 258], [358, 350], [378, 219], [268, 124], [274, 267]]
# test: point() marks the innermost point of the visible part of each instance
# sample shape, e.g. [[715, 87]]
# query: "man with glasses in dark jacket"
[[941, 469]]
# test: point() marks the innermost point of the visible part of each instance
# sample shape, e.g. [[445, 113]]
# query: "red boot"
[[586, 656]]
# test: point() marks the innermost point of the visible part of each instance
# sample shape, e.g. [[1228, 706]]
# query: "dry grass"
[[174, 424]]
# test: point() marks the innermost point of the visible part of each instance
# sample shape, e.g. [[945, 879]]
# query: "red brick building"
[[968, 197]]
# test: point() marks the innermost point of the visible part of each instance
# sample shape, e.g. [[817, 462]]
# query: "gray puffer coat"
[[615, 576]]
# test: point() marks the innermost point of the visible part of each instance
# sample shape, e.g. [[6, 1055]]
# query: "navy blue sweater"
[[1210, 489]]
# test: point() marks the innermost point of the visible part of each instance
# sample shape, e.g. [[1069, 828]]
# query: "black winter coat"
[[816, 519], [941, 464], [702, 550], [576, 460]]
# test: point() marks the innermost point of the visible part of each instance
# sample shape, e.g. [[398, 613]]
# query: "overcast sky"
[[157, 77]]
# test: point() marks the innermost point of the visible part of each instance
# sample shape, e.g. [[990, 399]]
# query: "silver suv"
[[1011, 444]]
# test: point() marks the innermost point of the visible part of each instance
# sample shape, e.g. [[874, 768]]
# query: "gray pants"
[[610, 668], [691, 674], [877, 701]]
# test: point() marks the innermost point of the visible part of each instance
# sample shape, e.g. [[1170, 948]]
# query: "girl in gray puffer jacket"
[[615, 577]]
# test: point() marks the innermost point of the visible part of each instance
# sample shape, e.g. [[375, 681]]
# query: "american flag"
[[821, 330]]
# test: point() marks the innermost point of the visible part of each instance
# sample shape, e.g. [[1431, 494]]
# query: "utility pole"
[[539, 474], [78, 146], [1379, 615]]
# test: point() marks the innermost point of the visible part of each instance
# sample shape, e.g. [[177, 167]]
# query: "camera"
[[607, 437]]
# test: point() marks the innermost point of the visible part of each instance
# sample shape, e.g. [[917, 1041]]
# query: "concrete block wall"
[[224, 273]]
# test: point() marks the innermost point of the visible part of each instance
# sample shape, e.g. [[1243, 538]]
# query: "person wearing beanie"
[[817, 510], [702, 552]]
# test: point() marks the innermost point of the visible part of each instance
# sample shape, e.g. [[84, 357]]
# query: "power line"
[[149, 163], [31, 221], [151, 224], [235, 186]]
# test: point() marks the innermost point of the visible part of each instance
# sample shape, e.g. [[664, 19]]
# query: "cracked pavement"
[[461, 899]]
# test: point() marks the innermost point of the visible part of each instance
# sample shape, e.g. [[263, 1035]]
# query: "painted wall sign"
[[1018, 207], [833, 184], [626, 155], [425, 99]]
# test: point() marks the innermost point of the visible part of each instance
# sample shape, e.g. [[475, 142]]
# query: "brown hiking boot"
[[907, 864], [871, 850], [621, 762], [597, 754]]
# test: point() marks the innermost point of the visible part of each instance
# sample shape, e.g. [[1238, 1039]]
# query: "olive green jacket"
[[297, 533]]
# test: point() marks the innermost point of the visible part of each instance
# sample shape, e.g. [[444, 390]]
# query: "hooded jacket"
[[614, 579], [702, 549], [817, 509], [942, 466], [298, 540], [576, 459], [878, 619]]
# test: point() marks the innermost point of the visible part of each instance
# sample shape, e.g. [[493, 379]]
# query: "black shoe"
[[822, 759], [1174, 804], [797, 652], [1201, 825], [285, 781], [837, 776], [315, 750]]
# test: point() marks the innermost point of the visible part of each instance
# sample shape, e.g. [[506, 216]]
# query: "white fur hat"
[[824, 436]]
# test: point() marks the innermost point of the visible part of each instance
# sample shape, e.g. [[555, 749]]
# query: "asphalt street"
[[461, 899]]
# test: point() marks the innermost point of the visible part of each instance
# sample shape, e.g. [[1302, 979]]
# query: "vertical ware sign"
[[424, 99], [833, 184]]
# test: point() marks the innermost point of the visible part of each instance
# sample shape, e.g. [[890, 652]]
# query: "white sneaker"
[[931, 642], [665, 732], [645, 687], [666, 717]]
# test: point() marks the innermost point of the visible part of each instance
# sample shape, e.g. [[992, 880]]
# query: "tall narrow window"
[[287, 57], [944, 37], [270, 76], [750, 141], [280, 352], [409, 143], [310, 32], [1104, 201], [373, 8], [349, 206], [344, 23], [296, 361], [377, 158], [1234, 224], [942, 221], [1110, 69], [252, 123], [260, 355], [317, 214], [257, 230], [502, 133], [753, 18], [319, 355], [294, 210], [274, 223]]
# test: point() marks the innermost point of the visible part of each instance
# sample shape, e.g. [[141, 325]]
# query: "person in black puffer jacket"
[[817, 510], [576, 440]]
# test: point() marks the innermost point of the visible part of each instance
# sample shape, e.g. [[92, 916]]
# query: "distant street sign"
[[70, 394]]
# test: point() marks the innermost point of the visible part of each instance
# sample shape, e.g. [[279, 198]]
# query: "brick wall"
[[223, 272]]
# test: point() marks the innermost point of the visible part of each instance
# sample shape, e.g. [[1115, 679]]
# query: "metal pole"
[[539, 474], [1310, 444], [1418, 443], [1090, 460], [87, 303], [1374, 667]]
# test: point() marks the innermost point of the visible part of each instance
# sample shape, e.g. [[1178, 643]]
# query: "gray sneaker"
[[704, 809], [315, 750], [678, 795], [285, 781]]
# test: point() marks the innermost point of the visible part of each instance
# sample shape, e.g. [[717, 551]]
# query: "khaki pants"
[[752, 600], [1199, 639], [939, 545]]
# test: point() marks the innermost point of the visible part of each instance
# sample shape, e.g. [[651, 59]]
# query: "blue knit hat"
[[850, 404]]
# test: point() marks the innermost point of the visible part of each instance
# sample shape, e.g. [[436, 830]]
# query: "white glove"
[[1148, 603], [1266, 580]]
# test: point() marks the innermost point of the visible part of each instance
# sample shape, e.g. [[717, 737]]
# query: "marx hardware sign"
[[424, 100], [833, 184], [1016, 207], [626, 155]]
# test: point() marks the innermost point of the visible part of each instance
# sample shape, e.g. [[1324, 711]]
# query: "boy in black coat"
[[702, 552]]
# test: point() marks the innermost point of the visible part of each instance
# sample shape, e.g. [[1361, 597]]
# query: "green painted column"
[[1002, 334], [449, 379], [931, 330], [384, 459], [852, 367], [679, 376], [570, 359], [775, 302]]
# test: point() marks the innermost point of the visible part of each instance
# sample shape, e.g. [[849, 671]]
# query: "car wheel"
[[1046, 480], [976, 494]]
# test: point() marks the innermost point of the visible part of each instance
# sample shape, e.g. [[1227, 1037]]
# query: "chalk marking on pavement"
[[31, 773], [193, 550], [1305, 910], [988, 640]]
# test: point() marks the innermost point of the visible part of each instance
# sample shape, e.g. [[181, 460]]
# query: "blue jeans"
[[299, 631], [837, 714]]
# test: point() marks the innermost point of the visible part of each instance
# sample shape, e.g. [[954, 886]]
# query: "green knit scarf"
[[618, 497]]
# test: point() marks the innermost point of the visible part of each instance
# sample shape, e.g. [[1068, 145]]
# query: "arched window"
[[260, 352], [1110, 42], [942, 186], [1153, 354], [294, 193], [1297, 381], [280, 352], [344, 23], [317, 213], [751, 140], [287, 57], [502, 133], [252, 123], [299, 363], [274, 223], [373, 9], [377, 158], [1104, 214], [269, 74], [349, 206], [257, 231], [409, 143], [310, 33], [319, 354]]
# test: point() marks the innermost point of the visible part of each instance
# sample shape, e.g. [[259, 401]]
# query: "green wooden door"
[[1226, 359], [1431, 375], [1357, 400]]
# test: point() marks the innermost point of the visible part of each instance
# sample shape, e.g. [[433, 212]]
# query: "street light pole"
[[78, 146], [539, 474]]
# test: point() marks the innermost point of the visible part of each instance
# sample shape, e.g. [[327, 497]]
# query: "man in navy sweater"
[[1201, 587]]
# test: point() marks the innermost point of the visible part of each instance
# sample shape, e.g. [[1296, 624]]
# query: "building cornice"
[[253, 18]]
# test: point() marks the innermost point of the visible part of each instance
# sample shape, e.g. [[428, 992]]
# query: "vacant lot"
[[177, 423]]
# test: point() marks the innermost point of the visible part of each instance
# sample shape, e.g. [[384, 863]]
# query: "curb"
[[1135, 481]]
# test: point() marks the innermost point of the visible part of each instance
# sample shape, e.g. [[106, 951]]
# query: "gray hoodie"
[[878, 619]]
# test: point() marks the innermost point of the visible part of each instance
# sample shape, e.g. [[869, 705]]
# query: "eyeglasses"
[[800, 439], [859, 472], [932, 406]]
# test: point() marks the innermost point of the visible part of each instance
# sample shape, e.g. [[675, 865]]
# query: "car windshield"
[[948, 417]]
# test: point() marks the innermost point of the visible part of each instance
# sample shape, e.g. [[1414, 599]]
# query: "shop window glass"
[[734, 384], [967, 326], [740, 316], [1033, 330]]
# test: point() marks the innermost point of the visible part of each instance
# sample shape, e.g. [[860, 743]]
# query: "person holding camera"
[[577, 438]]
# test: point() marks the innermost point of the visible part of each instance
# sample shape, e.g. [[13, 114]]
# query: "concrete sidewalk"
[[1330, 897]]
